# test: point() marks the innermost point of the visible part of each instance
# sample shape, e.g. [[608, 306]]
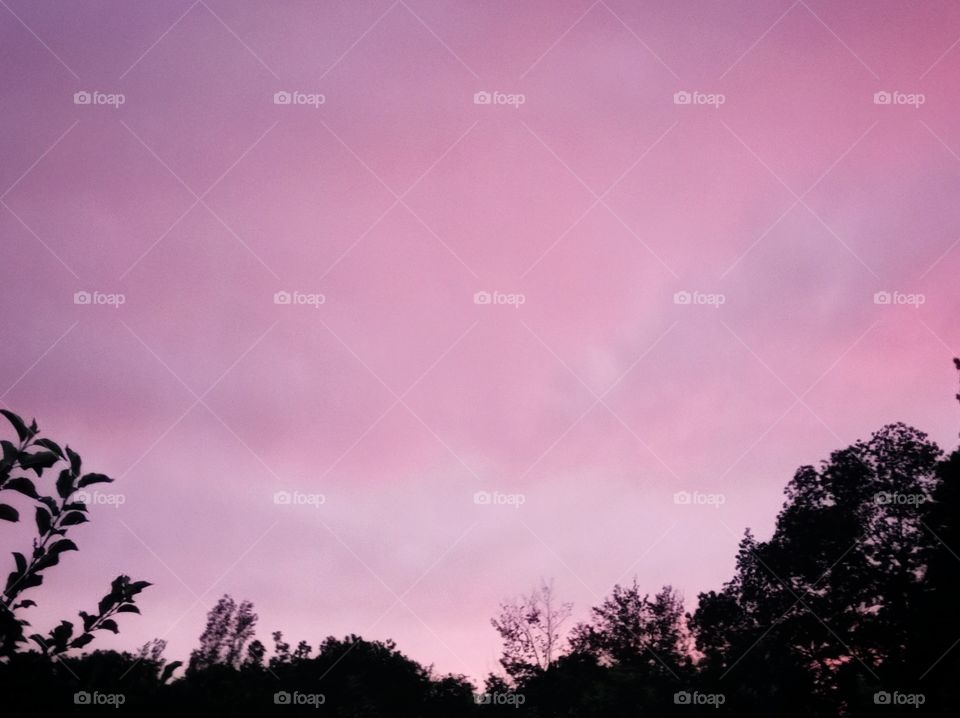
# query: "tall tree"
[[530, 629], [629, 629], [222, 643], [823, 606]]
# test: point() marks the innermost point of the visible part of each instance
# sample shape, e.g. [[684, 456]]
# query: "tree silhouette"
[[821, 608], [630, 629], [229, 628], [849, 604], [530, 629]]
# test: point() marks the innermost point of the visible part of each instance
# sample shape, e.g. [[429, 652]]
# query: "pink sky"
[[398, 199]]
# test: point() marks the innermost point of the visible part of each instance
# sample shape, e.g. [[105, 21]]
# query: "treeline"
[[848, 609]]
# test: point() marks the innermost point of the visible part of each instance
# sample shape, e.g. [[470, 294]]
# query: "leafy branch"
[[54, 516]]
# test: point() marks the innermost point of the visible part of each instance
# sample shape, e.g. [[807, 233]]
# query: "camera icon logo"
[[82, 98], [281, 698], [882, 298], [282, 297], [482, 98], [682, 98], [682, 698], [482, 498], [482, 298], [881, 698], [82, 297], [282, 498], [81, 698], [882, 98], [282, 97], [683, 297], [682, 498]]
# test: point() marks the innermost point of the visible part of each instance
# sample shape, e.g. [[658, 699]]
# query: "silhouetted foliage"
[[630, 629], [821, 608], [530, 629], [53, 515], [229, 628], [348, 677], [848, 609]]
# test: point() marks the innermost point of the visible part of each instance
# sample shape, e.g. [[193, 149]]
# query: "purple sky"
[[781, 209]]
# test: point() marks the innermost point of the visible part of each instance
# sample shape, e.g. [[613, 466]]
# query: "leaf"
[[74, 460], [51, 504], [25, 604], [62, 545], [137, 586], [22, 431], [128, 608], [81, 640], [39, 640], [43, 520], [75, 506], [51, 445], [34, 579], [21, 561], [8, 513], [73, 518], [88, 620], [61, 635], [93, 479], [105, 603], [39, 461], [46, 561], [9, 452], [169, 669], [23, 485], [110, 625], [65, 484]]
